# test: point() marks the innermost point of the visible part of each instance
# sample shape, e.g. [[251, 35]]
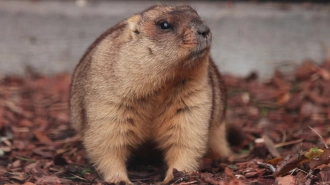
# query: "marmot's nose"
[[203, 30]]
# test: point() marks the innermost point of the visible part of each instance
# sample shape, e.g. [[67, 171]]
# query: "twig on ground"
[[325, 144], [78, 177], [288, 143]]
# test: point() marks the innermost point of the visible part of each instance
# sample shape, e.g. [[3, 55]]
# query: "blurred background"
[[268, 118], [50, 36]]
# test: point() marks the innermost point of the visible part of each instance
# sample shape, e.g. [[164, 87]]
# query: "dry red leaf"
[[36, 138], [41, 136], [28, 183], [229, 173], [49, 180], [286, 180], [305, 70], [324, 174], [323, 159]]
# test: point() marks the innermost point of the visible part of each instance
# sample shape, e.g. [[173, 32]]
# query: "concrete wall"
[[51, 36]]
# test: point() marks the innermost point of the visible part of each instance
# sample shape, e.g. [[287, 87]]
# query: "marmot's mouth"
[[198, 53]]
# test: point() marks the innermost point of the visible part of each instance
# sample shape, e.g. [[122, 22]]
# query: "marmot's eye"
[[165, 25]]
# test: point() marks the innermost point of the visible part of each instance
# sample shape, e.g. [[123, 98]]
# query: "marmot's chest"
[[172, 100], [162, 103]]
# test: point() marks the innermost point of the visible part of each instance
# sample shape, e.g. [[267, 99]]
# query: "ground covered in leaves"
[[286, 118]]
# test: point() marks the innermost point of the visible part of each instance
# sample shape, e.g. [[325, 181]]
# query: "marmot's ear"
[[133, 25]]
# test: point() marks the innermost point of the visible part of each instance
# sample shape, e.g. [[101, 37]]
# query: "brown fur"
[[139, 83]]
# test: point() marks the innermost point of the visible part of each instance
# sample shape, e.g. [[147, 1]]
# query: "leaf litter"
[[279, 131]]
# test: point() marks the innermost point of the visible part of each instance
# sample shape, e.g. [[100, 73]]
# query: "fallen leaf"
[[281, 106], [45, 152], [286, 180], [28, 183], [324, 174], [324, 74], [208, 177], [293, 162], [313, 153], [41, 136], [18, 176], [323, 159], [305, 70], [229, 173], [251, 174], [49, 180]]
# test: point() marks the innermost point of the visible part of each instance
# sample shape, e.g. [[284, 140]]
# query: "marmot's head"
[[172, 35]]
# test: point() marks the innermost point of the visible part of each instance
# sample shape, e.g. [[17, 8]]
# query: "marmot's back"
[[150, 78]]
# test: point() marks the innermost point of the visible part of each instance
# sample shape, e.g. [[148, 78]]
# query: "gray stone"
[[51, 36]]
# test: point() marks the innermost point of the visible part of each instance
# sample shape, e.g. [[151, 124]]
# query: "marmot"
[[150, 78]]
